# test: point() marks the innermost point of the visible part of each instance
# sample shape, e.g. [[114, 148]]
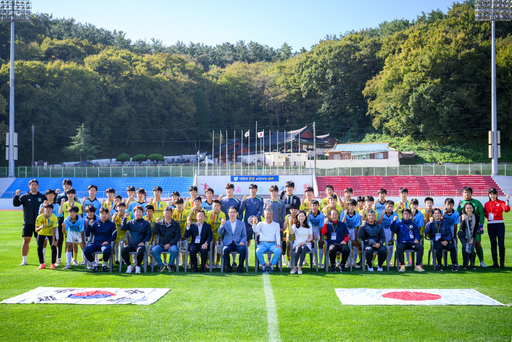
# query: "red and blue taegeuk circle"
[[92, 295]]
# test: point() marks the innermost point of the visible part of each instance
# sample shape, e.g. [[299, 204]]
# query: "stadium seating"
[[180, 184], [417, 185]]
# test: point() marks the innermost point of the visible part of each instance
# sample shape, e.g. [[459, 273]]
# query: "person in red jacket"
[[337, 238], [493, 211]]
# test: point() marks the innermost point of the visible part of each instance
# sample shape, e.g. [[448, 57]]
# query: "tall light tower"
[[493, 10], [13, 11]]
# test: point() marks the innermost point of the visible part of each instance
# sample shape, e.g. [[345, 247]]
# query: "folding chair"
[[326, 255], [121, 261], [168, 253], [363, 254], [432, 252], [413, 251], [268, 254], [312, 252], [110, 261], [234, 253]]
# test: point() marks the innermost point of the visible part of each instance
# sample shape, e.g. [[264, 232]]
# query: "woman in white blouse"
[[302, 244]]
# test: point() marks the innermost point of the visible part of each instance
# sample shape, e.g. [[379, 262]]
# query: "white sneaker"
[[23, 263], [75, 262], [483, 264], [293, 271], [129, 269], [67, 267], [289, 265], [137, 269], [379, 269], [58, 262], [370, 269], [82, 263], [320, 265], [299, 272]]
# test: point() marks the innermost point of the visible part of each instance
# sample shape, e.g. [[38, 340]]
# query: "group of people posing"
[[287, 228]]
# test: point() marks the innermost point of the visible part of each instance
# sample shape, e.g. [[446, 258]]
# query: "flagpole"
[[227, 148], [241, 151], [220, 149], [213, 149], [256, 142], [234, 150]]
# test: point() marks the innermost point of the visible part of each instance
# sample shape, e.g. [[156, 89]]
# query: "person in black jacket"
[[202, 236], [31, 201], [439, 231], [168, 233], [374, 239], [468, 227], [140, 233]]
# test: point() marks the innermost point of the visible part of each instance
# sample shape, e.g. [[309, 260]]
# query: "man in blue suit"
[[202, 236], [234, 238]]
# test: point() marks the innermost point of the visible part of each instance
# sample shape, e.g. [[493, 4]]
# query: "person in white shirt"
[[270, 240], [303, 237]]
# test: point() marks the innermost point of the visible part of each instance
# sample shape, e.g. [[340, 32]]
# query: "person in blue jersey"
[[353, 221], [337, 239], [130, 193], [117, 199], [229, 200], [385, 221], [207, 204], [140, 233], [251, 206], [175, 195], [141, 195], [103, 233], [316, 220], [289, 198], [73, 226], [440, 233], [277, 207], [407, 237], [451, 216], [373, 237], [92, 200], [380, 204]]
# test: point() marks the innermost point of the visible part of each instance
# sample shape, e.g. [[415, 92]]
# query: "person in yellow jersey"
[[174, 197], [109, 203], [158, 204], [324, 202], [289, 220], [333, 204], [189, 203], [64, 210], [215, 218], [403, 203], [348, 192], [196, 207], [130, 193], [306, 200], [180, 215], [152, 219], [117, 218], [427, 215], [46, 228], [368, 205]]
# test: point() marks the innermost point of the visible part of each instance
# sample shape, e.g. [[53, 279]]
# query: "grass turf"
[[233, 307]]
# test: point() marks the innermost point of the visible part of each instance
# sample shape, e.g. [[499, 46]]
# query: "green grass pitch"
[[218, 307]]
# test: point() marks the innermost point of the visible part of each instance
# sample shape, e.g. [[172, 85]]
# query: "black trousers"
[[40, 244], [382, 253], [343, 249], [402, 246], [194, 249], [126, 250], [439, 252], [496, 230]]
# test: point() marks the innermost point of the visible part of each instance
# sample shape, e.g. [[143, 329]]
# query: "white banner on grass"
[[75, 295], [413, 297]]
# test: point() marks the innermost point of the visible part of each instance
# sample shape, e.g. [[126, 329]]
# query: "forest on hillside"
[[423, 85]]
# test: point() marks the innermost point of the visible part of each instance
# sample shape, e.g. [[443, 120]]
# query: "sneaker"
[[75, 262], [337, 264], [67, 267], [161, 269], [455, 268], [299, 272], [358, 264], [332, 269], [342, 269], [440, 268], [129, 269], [419, 269], [370, 269], [379, 269], [89, 266], [52, 266], [23, 263], [293, 271], [347, 265], [234, 264], [58, 262], [137, 269], [41, 266], [402, 268], [264, 268], [289, 265], [117, 262], [82, 263], [483, 264], [320, 265], [95, 268], [171, 268], [104, 268], [207, 266]]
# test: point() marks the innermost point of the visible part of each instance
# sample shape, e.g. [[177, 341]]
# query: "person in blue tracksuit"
[[103, 232], [140, 233], [408, 237]]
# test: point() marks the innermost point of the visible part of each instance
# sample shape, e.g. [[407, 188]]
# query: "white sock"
[[68, 257], [24, 258], [44, 253]]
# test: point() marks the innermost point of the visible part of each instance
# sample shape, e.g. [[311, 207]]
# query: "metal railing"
[[504, 169]]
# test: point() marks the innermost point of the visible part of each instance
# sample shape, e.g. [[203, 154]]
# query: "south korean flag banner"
[[413, 297], [99, 296]]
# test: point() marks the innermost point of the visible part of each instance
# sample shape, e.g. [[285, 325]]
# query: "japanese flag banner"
[[413, 297], [75, 295]]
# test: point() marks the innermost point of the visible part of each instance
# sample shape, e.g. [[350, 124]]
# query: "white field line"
[[273, 327]]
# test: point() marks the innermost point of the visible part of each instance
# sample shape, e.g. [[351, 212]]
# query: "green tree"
[[155, 157], [139, 158], [123, 157], [82, 144]]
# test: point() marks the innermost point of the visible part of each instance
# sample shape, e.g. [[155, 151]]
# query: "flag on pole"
[[261, 134], [247, 134]]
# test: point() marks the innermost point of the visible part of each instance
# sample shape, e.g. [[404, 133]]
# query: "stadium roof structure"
[[361, 149]]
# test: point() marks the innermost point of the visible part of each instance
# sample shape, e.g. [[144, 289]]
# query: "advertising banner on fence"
[[413, 297], [100, 296], [218, 183]]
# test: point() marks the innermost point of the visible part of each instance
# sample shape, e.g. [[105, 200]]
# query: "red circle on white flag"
[[411, 296]]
